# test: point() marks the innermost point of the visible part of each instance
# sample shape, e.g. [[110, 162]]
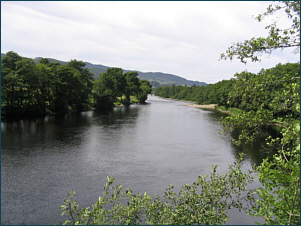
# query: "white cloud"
[[182, 38]]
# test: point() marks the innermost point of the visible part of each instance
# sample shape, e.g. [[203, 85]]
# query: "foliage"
[[155, 78], [104, 95], [279, 197], [272, 97], [279, 200], [275, 87], [20, 86], [133, 85], [85, 85], [212, 93], [114, 83], [205, 201], [278, 38], [145, 89], [31, 89]]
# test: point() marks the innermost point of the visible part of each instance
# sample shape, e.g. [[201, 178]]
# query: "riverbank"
[[203, 106], [208, 106]]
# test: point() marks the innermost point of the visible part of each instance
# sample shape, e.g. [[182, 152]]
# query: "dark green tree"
[[30, 94], [44, 61], [19, 87], [85, 85], [104, 91], [9, 60], [132, 85], [145, 89], [119, 80], [172, 90], [10, 80], [65, 88], [45, 78]]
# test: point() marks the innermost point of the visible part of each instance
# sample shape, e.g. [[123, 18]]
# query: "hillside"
[[156, 78], [36, 60], [168, 79]]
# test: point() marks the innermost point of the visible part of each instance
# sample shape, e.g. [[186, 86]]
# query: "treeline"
[[29, 89], [212, 93], [238, 93]]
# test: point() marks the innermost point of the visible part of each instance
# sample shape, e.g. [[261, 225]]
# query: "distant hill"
[[153, 77], [96, 69], [36, 60], [159, 77], [156, 78], [168, 79]]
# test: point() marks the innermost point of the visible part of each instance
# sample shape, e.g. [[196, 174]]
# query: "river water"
[[145, 147]]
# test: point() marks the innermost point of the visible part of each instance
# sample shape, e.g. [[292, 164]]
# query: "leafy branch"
[[205, 201], [277, 39]]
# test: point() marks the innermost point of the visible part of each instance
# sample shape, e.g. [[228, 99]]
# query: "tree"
[[9, 77], [172, 90], [9, 60], [46, 78], [279, 196], [19, 87], [85, 87], [145, 89], [278, 38], [132, 85], [29, 95], [66, 87], [104, 88], [119, 79], [44, 61], [113, 83]]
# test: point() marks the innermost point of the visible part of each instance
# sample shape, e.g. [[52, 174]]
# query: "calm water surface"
[[145, 147]]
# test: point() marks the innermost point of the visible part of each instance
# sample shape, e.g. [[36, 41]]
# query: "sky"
[[183, 38]]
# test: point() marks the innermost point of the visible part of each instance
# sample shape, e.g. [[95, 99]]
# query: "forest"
[[237, 92], [30, 90]]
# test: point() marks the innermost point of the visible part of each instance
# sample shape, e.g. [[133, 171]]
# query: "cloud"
[[182, 38]]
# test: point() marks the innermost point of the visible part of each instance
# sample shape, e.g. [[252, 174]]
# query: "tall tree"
[[132, 85], [9, 60], [104, 91], [66, 88], [120, 80], [12, 85], [145, 89], [85, 86]]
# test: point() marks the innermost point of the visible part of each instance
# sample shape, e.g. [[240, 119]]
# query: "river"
[[145, 147]]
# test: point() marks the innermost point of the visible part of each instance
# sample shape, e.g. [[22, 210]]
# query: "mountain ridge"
[[156, 78]]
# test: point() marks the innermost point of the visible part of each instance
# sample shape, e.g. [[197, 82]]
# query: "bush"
[[205, 201]]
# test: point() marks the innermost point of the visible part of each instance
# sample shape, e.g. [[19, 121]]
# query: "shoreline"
[[202, 106], [208, 106]]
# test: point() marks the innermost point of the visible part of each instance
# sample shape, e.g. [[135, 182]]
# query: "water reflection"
[[258, 150], [145, 147], [119, 115]]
